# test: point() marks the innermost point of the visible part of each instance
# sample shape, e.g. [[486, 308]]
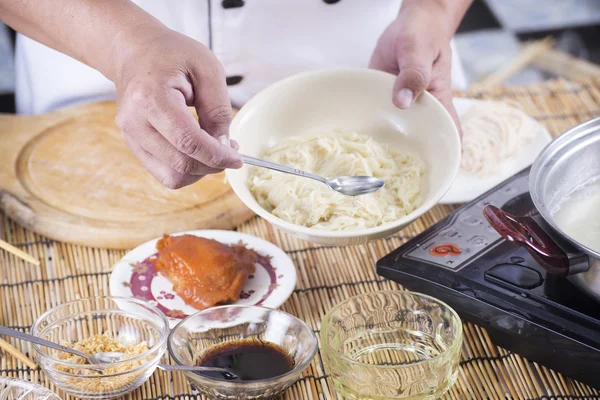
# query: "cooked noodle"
[[493, 132], [309, 203]]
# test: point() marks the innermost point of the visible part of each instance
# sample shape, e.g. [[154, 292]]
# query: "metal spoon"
[[347, 185], [108, 356], [98, 358], [227, 374]]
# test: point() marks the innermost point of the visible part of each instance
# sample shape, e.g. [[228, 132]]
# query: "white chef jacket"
[[258, 42]]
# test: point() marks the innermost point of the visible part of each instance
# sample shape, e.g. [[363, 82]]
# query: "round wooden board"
[[71, 177]]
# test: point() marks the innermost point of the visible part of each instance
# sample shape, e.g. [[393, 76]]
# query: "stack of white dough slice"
[[493, 132]]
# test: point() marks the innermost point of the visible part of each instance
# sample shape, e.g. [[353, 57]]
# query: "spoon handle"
[[191, 368], [42, 342], [281, 168]]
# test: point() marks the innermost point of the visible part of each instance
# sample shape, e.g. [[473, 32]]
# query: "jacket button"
[[233, 80], [331, 1], [232, 3]]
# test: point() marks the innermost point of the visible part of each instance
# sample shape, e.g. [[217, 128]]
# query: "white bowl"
[[352, 99]]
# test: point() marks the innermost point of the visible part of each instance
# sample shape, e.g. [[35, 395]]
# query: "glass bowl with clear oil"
[[391, 345], [266, 350]]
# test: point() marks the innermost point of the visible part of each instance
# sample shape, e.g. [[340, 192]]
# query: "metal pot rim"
[[544, 160]]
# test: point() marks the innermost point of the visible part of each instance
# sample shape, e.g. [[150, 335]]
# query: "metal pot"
[[567, 163]]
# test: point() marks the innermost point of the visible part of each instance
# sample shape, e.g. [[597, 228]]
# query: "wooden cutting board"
[[70, 176]]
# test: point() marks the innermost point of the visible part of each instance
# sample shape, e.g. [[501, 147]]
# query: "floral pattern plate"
[[270, 286]]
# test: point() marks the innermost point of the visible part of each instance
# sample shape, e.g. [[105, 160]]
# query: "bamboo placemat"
[[326, 275]]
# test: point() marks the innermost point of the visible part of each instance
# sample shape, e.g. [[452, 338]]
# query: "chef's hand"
[[156, 80], [416, 48]]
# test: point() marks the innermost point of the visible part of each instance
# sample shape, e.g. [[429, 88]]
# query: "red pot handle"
[[525, 232]]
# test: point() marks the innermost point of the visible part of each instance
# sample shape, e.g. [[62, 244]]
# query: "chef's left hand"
[[416, 48]]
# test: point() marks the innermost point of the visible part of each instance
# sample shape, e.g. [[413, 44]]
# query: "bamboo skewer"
[[19, 253], [16, 353]]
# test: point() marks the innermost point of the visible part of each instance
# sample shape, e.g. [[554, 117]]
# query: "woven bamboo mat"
[[326, 275]]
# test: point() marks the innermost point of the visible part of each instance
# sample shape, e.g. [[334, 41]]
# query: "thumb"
[[415, 62]]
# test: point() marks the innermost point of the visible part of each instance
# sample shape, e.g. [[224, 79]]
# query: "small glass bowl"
[[15, 389], [200, 332], [127, 320], [391, 345]]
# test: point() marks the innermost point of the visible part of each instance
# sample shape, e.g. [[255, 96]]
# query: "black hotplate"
[[489, 281]]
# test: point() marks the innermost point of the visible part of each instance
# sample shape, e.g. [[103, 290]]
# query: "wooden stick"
[[16, 353], [526, 56], [566, 65], [18, 252]]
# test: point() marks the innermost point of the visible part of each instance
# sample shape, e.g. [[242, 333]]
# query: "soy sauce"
[[249, 359]]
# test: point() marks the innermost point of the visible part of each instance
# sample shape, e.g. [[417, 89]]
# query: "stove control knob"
[[478, 240], [471, 220], [450, 233]]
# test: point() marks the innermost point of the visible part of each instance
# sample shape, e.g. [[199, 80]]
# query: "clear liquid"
[[401, 348], [396, 347], [578, 215]]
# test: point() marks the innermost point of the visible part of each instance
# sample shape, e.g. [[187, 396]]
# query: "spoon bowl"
[[106, 357], [356, 185]]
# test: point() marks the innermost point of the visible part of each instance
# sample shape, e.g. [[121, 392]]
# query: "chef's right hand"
[[156, 80]]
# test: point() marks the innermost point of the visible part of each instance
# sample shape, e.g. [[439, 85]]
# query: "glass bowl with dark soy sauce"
[[266, 350]]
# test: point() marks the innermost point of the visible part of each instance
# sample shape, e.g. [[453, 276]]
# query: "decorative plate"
[[270, 286], [468, 187]]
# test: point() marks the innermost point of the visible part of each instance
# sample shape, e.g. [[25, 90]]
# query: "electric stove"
[[491, 282]]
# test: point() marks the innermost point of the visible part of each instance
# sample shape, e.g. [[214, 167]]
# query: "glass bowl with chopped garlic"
[[101, 324]]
